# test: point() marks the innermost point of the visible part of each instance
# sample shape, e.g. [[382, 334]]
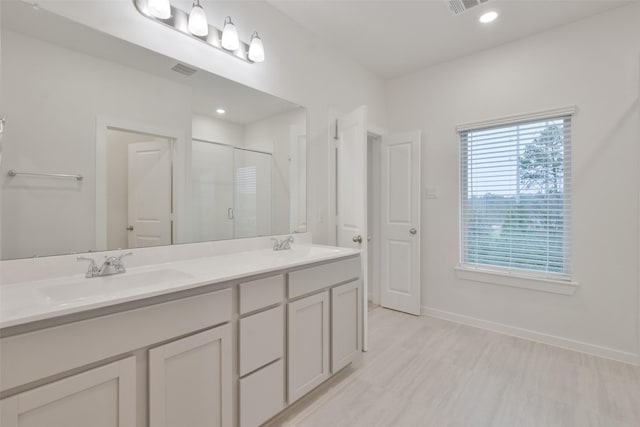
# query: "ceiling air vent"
[[184, 69], [459, 6]]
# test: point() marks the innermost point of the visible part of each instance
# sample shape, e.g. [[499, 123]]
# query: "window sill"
[[515, 281]]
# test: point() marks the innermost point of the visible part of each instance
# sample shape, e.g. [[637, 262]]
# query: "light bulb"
[[488, 17], [256, 48], [198, 25], [160, 8], [230, 40]]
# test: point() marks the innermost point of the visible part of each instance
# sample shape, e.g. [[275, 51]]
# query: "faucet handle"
[[93, 268], [118, 264], [124, 255]]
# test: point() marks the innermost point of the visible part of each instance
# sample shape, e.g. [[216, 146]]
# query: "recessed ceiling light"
[[221, 111], [487, 17]]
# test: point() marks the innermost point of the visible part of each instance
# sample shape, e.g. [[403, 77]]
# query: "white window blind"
[[516, 197]]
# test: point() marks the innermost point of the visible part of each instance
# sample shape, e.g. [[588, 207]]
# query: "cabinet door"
[[346, 324], [101, 397], [190, 381], [308, 349]]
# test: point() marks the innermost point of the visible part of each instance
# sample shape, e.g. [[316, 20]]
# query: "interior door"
[[149, 194], [350, 134], [400, 219]]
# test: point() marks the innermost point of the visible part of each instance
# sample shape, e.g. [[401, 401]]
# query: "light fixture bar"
[[179, 21]]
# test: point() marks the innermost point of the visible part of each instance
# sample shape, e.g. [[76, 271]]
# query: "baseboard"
[[582, 347]]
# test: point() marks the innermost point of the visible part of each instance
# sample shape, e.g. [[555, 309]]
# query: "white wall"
[[212, 129], [299, 67], [592, 64], [53, 139]]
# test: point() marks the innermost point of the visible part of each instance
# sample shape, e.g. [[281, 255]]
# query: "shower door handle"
[[230, 213]]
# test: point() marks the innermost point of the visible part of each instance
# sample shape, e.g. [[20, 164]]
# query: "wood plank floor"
[[422, 371]]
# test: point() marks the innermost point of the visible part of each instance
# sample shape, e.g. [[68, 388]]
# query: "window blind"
[[515, 181]]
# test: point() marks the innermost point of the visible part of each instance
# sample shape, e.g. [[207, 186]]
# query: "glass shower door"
[[252, 210], [212, 174]]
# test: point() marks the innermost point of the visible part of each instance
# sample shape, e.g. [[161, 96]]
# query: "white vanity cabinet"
[[231, 354], [100, 397], [190, 381]]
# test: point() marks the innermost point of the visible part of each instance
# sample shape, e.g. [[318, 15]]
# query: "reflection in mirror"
[[168, 153]]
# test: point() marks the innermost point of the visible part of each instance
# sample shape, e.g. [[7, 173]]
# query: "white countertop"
[[26, 302]]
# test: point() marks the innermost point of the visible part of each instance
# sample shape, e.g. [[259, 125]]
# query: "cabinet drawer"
[[261, 339], [262, 395], [261, 293], [309, 280]]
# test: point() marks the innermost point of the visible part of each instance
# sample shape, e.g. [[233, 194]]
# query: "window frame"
[[563, 282]]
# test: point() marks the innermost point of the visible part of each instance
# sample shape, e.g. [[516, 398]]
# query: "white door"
[[351, 190], [149, 194], [400, 220]]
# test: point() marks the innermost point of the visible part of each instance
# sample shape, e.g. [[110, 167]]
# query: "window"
[[515, 197]]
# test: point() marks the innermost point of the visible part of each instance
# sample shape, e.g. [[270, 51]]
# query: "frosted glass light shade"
[[198, 24], [160, 8], [256, 48], [230, 40]]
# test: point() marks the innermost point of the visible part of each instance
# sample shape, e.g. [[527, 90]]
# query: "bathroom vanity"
[[223, 340]]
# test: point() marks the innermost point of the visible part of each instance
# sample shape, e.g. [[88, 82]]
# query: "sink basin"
[[101, 286]]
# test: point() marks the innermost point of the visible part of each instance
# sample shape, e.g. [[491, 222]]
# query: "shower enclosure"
[[231, 191]]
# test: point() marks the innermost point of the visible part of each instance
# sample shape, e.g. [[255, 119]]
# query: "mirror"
[[108, 145]]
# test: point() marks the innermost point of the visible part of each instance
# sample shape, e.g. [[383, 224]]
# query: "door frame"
[[177, 138]]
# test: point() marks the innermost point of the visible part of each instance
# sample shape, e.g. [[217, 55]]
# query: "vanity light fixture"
[[256, 48], [198, 25], [194, 24], [488, 17], [161, 9], [230, 40], [221, 111]]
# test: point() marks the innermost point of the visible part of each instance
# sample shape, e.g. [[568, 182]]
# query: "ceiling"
[[396, 37], [243, 104]]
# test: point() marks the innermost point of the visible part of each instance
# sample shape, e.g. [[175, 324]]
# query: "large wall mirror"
[[108, 145]]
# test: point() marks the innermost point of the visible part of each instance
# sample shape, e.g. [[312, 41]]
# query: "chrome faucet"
[[111, 265], [281, 245]]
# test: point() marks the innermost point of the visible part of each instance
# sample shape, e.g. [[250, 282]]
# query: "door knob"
[[130, 228], [413, 231], [357, 239]]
